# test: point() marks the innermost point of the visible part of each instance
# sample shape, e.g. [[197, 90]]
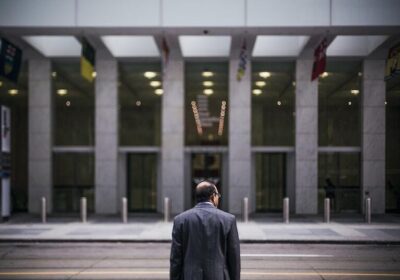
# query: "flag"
[[393, 62], [319, 59], [87, 60], [10, 60], [242, 62], [165, 53]]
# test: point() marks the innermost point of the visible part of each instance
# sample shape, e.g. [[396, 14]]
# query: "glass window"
[[15, 96], [392, 144], [273, 97], [140, 93], [206, 104], [339, 180], [73, 177], [73, 105], [339, 91]]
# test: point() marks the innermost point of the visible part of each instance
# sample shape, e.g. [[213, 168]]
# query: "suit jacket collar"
[[204, 205]]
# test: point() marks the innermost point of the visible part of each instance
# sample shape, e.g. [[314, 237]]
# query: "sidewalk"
[[384, 229]]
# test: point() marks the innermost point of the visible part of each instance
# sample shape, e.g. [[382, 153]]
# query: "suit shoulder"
[[226, 215], [183, 215]]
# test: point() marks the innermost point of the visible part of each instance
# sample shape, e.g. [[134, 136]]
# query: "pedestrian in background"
[[205, 241]]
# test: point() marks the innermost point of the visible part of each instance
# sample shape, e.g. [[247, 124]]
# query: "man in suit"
[[205, 241]]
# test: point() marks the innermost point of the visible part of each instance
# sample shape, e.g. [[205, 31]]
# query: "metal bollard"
[[44, 210], [368, 210], [124, 210], [83, 210], [286, 210], [166, 209], [245, 213], [327, 212]]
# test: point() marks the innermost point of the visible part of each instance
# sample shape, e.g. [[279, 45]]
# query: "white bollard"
[[327, 205], [245, 210], [124, 210], [83, 210], [286, 210], [368, 210], [44, 210], [166, 209]]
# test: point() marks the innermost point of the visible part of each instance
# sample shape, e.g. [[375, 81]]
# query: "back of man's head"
[[204, 191]]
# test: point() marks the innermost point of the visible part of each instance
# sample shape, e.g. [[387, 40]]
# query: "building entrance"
[[142, 182], [270, 174], [206, 166]]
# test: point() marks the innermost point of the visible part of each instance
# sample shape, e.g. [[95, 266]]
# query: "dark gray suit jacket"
[[205, 245]]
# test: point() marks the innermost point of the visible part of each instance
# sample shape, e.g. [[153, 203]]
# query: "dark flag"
[[319, 59], [165, 53], [242, 62], [393, 62], [10, 60], [87, 60]]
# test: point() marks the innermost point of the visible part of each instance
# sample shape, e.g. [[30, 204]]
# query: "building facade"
[[151, 126]]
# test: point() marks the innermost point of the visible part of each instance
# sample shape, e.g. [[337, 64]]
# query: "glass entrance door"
[[270, 171], [142, 182], [206, 166]]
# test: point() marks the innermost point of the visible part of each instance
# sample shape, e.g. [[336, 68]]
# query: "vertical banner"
[[87, 60], [319, 59], [393, 62], [5, 130], [242, 62], [10, 60], [165, 53]]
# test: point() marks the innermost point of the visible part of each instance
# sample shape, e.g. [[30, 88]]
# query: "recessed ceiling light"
[[62, 91], [207, 74], [294, 83], [349, 103], [279, 103], [159, 91], [155, 83], [54, 74], [150, 75], [208, 83], [354, 91], [138, 103], [1, 83], [208, 91], [265, 74], [261, 83], [257, 91], [325, 74], [385, 102], [359, 74], [94, 74], [13, 91], [68, 103]]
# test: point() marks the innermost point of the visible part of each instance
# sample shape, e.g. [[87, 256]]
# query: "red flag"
[[319, 59]]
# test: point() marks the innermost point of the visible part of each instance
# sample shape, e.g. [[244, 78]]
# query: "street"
[[151, 261]]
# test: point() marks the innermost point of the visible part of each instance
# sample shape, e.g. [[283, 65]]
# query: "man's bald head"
[[204, 191]]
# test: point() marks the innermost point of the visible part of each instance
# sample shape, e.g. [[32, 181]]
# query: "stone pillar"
[[373, 134], [239, 157], [106, 151], [306, 163], [40, 135], [172, 139]]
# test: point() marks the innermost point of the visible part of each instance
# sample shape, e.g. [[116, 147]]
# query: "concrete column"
[[373, 134], [306, 162], [106, 151], [40, 181], [172, 140], [239, 157]]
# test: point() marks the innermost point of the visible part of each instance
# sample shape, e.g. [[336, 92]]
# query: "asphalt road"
[[151, 261]]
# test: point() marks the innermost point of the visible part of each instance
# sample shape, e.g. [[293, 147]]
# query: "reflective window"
[[15, 96], [273, 103], [73, 99], [140, 93], [206, 104], [339, 98], [73, 178], [392, 144], [339, 180]]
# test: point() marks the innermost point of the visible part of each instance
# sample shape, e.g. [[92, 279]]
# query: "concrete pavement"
[[260, 228]]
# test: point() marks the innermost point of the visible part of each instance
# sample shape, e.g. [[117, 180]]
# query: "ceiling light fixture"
[[94, 74], [68, 103], [257, 91], [208, 91], [155, 83], [138, 103], [13, 91], [159, 91], [265, 74], [279, 103], [354, 91], [54, 74], [261, 83], [325, 74], [349, 103], [207, 74], [150, 75], [62, 91], [208, 83]]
